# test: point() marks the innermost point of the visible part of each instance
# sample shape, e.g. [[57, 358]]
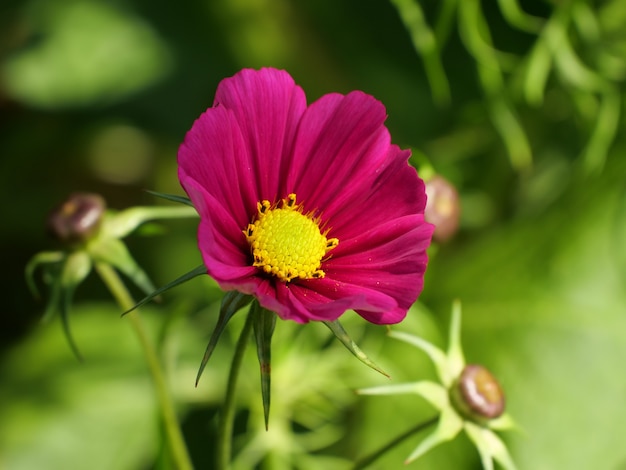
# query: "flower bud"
[[443, 209], [77, 218], [477, 394]]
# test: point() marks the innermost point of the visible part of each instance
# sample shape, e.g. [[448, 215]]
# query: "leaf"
[[232, 302], [182, 279], [341, 334], [264, 323]]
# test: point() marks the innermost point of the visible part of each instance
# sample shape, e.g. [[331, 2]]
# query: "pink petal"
[[214, 155], [260, 141], [222, 244], [267, 105], [394, 192], [340, 140]]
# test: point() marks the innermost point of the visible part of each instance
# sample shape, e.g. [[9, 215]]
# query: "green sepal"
[[76, 268], [176, 282], [264, 323], [53, 278], [64, 311], [232, 302], [115, 253], [45, 257], [121, 224], [341, 334], [171, 197]]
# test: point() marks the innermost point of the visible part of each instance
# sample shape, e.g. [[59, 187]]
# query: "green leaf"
[[232, 302], [182, 279], [264, 323], [171, 197], [341, 334]]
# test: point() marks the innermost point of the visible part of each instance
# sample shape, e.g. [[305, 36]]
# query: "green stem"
[[173, 433], [227, 417], [369, 459]]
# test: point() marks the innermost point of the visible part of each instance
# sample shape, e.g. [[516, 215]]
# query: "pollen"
[[287, 243]]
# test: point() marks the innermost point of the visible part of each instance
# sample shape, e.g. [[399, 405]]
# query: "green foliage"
[[519, 104]]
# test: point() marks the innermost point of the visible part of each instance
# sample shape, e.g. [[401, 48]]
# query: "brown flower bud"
[[443, 209], [477, 394], [77, 218]]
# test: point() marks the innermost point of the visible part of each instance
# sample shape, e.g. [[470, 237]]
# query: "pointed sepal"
[[114, 252], [171, 197], [264, 323], [450, 424], [341, 334], [438, 357], [119, 225], [176, 282], [232, 302], [76, 268], [490, 447], [42, 258]]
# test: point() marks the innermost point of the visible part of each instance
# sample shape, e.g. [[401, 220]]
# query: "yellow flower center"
[[287, 243]]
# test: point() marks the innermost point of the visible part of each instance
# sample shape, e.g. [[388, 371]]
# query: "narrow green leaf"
[[515, 16], [264, 323], [342, 336], [182, 279], [171, 197], [425, 44], [232, 302]]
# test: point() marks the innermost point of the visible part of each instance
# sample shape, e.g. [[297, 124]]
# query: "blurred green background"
[[518, 108]]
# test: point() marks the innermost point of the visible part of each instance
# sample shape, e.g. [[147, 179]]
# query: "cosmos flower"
[[468, 398], [310, 209]]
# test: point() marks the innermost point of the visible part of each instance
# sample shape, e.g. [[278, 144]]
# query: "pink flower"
[[310, 209]]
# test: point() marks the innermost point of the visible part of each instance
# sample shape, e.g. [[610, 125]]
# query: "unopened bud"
[[77, 218], [443, 209], [477, 394]]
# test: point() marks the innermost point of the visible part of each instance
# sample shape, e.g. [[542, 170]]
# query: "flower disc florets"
[[287, 243]]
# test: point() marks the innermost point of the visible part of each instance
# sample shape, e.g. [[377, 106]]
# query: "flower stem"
[[227, 416], [369, 459], [173, 433]]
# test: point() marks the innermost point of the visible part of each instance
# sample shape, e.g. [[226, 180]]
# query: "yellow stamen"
[[287, 243]]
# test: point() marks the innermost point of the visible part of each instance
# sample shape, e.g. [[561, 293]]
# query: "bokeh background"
[[518, 105]]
